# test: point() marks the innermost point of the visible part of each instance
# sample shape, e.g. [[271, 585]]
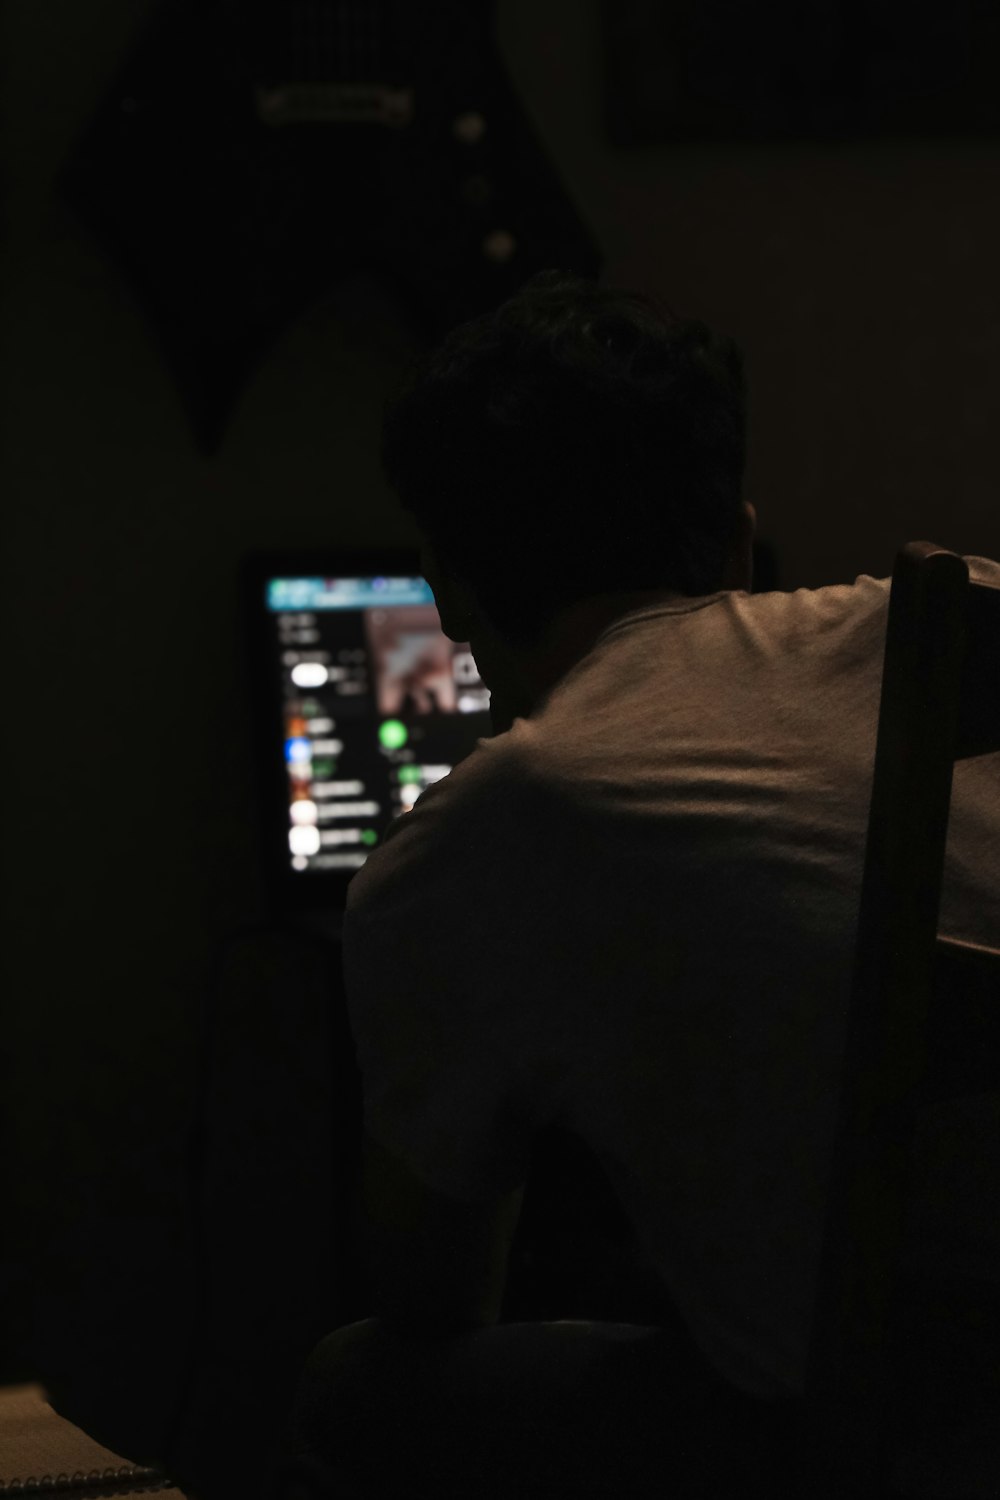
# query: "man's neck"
[[519, 680]]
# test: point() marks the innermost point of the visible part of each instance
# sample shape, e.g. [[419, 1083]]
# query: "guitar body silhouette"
[[250, 157]]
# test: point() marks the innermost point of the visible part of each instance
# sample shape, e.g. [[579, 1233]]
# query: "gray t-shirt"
[[633, 915]]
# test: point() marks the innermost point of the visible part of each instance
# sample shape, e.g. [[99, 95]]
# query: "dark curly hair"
[[578, 440]]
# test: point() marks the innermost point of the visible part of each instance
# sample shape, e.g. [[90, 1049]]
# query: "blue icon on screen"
[[298, 750]]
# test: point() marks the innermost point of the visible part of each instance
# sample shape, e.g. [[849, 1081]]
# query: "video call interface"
[[377, 703]]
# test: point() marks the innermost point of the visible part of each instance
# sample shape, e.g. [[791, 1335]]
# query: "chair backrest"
[[940, 702]]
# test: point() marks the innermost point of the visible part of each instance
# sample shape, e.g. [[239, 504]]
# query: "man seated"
[[630, 914]]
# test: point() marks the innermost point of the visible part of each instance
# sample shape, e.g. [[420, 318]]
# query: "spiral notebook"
[[42, 1454]]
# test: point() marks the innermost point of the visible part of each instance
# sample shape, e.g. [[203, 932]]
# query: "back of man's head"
[[578, 440]]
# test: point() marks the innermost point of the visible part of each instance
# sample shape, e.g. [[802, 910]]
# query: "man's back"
[[633, 915]]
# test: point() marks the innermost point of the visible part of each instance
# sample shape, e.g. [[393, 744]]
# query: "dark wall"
[[857, 278], [129, 831], [861, 282]]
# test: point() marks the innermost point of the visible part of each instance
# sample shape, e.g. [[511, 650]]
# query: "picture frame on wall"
[[799, 70]]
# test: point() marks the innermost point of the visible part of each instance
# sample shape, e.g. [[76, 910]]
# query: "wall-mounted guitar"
[[251, 156]]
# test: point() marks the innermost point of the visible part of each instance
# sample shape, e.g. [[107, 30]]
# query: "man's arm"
[[438, 1266]]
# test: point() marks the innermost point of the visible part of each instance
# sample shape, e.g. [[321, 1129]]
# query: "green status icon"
[[410, 773], [369, 836], [393, 733]]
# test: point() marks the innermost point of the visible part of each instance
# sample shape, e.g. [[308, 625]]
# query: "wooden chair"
[[925, 1009]]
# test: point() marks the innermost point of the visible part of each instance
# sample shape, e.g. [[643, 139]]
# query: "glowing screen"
[[377, 704]]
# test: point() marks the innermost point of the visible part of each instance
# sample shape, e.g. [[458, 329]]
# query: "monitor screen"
[[362, 702]]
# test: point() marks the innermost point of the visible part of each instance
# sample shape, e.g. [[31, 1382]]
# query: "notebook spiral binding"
[[126, 1479]]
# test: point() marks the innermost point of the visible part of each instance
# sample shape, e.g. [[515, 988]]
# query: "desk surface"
[[36, 1443]]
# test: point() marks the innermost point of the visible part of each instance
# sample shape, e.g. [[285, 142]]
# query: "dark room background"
[[861, 281]]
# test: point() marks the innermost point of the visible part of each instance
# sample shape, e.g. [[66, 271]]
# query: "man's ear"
[[453, 605], [453, 623]]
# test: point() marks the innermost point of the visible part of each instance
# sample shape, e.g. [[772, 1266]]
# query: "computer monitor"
[[360, 702]]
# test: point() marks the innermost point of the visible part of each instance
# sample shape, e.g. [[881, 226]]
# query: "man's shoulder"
[[458, 825], [818, 608], [847, 616], [984, 570], [867, 592]]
